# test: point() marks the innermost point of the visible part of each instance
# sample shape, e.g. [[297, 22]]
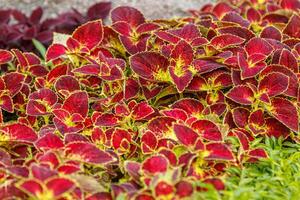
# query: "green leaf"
[[40, 47], [275, 178]]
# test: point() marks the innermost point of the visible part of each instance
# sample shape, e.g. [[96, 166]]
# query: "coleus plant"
[[148, 109]]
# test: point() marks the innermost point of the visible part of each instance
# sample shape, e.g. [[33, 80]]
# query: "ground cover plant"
[[199, 107]]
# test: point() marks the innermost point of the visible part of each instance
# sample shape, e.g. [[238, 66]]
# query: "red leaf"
[[251, 67], [155, 164], [87, 152], [197, 84], [68, 169], [5, 56], [59, 70], [118, 137], [163, 188], [107, 119], [257, 154], [182, 53], [55, 51], [150, 65], [188, 32], [222, 80], [147, 27], [274, 84], [38, 70], [14, 82], [122, 28], [66, 83], [20, 132], [131, 88], [221, 8], [112, 70], [49, 158], [141, 111], [32, 187], [74, 137], [238, 31], [74, 45], [285, 112], [161, 126], [189, 105], [2, 84], [184, 189], [127, 14], [216, 182], [42, 173], [208, 130], [257, 117], [253, 15], [164, 35], [203, 66], [236, 18], [258, 46], [6, 103], [271, 32], [132, 168], [36, 15], [149, 142], [60, 186], [185, 135], [219, 151], [288, 60], [276, 129], [182, 57], [49, 141], [5, 158], [293, 80], [240, 116], [99, 10], [170, 155], [293, 27], [241, 94], [89, 34], [21, 58], [226, 40], [41, 102], [134, 47], [176, 113], [19, 171], [77, 103], [290, 4], [101, 195], [35, 108], [19, 16], [244, 141], [181, 78]]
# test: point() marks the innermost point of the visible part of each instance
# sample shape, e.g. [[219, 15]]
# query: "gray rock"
[[151, 8]]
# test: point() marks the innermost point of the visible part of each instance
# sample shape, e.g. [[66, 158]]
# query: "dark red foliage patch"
[[17, 29]]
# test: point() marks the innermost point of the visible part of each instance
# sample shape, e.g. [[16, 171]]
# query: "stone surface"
[[151, 8]]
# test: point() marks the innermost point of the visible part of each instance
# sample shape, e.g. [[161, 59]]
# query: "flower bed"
[[160, 109]]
